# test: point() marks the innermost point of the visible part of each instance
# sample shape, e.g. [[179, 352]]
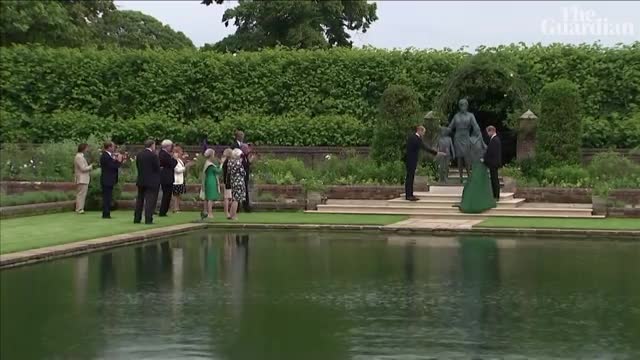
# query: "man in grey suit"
[[82, 176]]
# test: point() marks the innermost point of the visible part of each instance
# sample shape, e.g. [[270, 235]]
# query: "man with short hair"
[[238, 140], [109, 166], [167, 164], [493, 160], [148, 182], [414, 144]]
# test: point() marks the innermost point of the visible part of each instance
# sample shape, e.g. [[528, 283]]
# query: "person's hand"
[[119, 157], [481, 160]]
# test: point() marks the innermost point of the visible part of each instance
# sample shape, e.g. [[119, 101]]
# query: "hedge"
[[194, 88], [285, 130], [190, 84], [559, 134]]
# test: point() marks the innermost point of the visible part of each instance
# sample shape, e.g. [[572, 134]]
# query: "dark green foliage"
[[559, 133], [398, 117], [294, 24], [135, 30], [200, 88], [35, 197], [612, 131], [52, 22]]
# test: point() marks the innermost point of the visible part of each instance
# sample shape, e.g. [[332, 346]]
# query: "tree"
[[296, 24], [53, 23], [398, 116], [559, 130], [133, 29]]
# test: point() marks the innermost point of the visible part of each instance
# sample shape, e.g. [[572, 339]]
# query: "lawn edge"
[[48, 253]]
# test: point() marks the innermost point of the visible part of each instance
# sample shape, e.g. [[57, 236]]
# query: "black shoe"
[[163, 215], [136, 221], [107, 217], [148, 222]]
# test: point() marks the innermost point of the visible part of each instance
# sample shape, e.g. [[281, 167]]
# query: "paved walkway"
[[448, 224]]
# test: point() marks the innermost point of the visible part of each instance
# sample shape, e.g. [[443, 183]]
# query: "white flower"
[[31, 161], [511, 74], [25, 165], [327, 157]]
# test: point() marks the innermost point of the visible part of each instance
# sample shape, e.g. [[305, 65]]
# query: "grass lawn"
[[55, 229], [550, 223]]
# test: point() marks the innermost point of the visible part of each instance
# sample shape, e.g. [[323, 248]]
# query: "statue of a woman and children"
[[468, 149]]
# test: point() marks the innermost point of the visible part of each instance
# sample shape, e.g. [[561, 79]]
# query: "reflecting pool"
[[305, 295]]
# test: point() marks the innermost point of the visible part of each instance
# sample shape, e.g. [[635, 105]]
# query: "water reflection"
[[327, 296]]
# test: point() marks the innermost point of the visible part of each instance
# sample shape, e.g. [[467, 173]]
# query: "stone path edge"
[[26, 257], [48, 253]]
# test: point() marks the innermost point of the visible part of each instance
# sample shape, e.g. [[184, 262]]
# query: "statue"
[[445, 146], [465, 140]]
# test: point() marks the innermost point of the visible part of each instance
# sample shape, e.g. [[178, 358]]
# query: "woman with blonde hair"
[[226, 179], [238, 187], [210, 190]]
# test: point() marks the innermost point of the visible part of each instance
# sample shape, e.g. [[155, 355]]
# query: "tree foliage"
[[398, 114], [75, 23], [53, 23], [559, 131], [295, 24], [135, 30]]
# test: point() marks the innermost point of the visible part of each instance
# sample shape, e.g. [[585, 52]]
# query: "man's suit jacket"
[[235, 145], [109, 170], [82, 169], [167, 164], [148, 165], [493, 155], [414, 144]]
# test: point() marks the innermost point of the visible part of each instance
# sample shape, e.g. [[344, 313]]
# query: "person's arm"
[[180, 169], [112, 163], [81, 164], [452, 149], [426, 148]]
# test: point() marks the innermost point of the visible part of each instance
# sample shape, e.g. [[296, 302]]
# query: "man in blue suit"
[[109, 166]]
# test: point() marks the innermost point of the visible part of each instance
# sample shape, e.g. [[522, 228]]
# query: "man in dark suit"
[[493, 160], [148, 182], [109, 165], [167, 164], [414, 144]]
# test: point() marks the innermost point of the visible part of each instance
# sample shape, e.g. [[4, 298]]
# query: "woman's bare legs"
[[210, 209], [176, 203], [227, 208], [234, 210]]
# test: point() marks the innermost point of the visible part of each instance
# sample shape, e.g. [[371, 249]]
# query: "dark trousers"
[[147, 198], [167, 191], [107, 196], [408, 182], [246, 204], [495, 182]]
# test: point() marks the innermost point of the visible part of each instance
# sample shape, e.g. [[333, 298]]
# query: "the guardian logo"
[[584, 22]]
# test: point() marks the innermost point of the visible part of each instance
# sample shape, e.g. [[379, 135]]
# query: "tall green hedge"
[[559, 133], [191, 86]]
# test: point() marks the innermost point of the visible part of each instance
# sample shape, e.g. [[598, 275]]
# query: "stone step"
[[448, 201], [440, 215], [429, 210], [441, 194]]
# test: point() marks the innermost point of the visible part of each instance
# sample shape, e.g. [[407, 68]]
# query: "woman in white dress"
[[179, 184]]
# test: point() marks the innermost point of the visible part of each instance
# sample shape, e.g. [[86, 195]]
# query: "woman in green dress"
[[477, 195], [210, 191]]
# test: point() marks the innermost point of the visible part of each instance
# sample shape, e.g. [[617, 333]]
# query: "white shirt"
[[178, 173]]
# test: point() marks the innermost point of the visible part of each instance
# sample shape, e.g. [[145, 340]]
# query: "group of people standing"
[[480, 160], [225, 179]]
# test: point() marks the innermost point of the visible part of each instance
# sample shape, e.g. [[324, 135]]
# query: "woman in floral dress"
[[238, 188]]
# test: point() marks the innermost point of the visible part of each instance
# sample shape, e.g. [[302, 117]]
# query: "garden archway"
[[496, 95]]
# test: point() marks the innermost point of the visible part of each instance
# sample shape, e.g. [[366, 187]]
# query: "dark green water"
[[328, 296]]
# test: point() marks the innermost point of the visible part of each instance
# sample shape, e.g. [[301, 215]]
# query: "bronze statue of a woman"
[[467, 133]]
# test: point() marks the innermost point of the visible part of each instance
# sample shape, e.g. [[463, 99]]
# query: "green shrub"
[[35, 197], [289, 171], [610, 166], [613, 130], [398, 116], [566, 176], [559, 133]]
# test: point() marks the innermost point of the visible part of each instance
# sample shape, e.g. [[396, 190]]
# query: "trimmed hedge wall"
[[194, 88]]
